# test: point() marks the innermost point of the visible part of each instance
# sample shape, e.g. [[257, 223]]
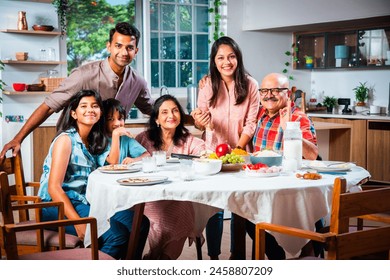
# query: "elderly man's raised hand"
[[285, 114]]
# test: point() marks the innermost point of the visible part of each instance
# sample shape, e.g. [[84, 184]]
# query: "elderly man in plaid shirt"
[[275, 111]]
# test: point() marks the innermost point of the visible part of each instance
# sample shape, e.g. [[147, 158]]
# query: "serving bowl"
[[37, 27], [19, 86], [269, 158], [207, 166]]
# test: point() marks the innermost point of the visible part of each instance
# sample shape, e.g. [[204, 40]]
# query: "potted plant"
[[361, 94], [329, 102]]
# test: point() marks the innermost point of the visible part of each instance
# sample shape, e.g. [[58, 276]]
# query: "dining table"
[[281, 198]]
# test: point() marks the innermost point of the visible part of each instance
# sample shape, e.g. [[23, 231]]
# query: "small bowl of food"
[[268, 157], [19, 86], [207, 166]]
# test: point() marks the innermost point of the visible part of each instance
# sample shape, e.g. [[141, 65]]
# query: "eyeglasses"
[[274, 91]]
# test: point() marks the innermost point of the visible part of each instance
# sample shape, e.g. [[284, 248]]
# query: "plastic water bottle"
[[292, 147]]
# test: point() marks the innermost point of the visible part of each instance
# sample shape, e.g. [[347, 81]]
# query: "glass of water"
[[149, 164], [161, 157]]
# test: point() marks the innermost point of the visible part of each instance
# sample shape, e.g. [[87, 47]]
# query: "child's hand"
[[129, 160], [120, 131]]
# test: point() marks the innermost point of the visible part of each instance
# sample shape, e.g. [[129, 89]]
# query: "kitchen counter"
[[351, 116]]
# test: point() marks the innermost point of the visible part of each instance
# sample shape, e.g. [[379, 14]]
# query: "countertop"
[[142, 120], [381, 117]]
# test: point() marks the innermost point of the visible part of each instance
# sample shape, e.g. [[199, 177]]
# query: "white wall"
[[264, 50], [264, 14]]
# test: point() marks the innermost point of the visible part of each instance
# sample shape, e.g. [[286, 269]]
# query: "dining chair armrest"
[[306, 234], [11, 229]]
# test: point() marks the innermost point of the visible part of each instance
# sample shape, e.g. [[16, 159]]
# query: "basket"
[[51, 83]]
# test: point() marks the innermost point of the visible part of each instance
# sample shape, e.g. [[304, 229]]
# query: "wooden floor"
[[189, 253]]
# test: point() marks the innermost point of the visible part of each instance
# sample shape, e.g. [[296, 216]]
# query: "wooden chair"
[[8, 238], [377, 217], [342, 244], [295, 94], [27, 241]]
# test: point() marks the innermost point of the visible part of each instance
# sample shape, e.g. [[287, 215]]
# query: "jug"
[[22, 21], [192, 97]]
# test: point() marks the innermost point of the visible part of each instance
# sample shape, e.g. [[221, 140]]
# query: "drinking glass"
[[149, 164], [161, 157], [187, 172]]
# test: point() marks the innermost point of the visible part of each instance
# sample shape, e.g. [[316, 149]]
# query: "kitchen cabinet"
[[356, 144], [378, 150], [366, 48], [369, 144]]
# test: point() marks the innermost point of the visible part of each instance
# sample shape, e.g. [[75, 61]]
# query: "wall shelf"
[[23, 93], [33, 62], [31, 32]]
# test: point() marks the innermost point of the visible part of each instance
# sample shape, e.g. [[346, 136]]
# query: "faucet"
[[164, 88]]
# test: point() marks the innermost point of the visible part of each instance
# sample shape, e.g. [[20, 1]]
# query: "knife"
[[179, 156]]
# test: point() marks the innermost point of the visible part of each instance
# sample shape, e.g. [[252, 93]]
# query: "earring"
[[158, 125]]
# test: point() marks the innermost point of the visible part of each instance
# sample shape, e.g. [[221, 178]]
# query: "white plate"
[[142, 180], [253, 173], [119, 168], [337, 167]]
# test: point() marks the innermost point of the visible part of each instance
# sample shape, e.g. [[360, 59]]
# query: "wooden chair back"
[[13, 166], [295, 95], [342, 243], [347, 205], [8, 230]]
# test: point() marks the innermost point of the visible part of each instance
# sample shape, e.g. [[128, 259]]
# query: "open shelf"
[[34, 62], [31, 32], [22, 93]]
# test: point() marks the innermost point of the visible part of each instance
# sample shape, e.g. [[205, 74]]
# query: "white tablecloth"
[[284, 199]]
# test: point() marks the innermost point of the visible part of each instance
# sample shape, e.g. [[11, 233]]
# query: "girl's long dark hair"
[[154, 131], [240, 75], [110, 106], [96, 138]]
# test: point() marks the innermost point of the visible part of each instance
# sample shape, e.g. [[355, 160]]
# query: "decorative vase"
[[329, 109], [360, 103], [22, 21]]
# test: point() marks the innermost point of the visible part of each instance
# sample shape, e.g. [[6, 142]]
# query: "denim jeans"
[[214, 229], [115, 240]]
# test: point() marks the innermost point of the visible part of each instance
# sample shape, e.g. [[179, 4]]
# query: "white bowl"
[[207, 166]]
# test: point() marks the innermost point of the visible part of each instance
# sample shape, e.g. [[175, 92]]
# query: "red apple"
[[222, 149]]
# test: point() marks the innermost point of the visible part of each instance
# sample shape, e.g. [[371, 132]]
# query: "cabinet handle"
[[379, 125]]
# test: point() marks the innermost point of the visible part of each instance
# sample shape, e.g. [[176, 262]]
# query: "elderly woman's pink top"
[[229, 121]]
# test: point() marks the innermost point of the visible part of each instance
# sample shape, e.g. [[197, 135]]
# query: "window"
[[179, 48]]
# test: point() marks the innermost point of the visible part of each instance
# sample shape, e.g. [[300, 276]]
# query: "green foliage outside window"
[[87, 25]]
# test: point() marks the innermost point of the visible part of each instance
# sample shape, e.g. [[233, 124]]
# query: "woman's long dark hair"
[[240, 75], [154, 131], [96, 138]]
